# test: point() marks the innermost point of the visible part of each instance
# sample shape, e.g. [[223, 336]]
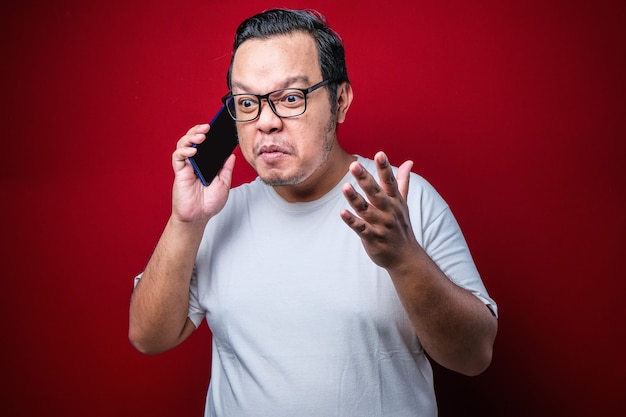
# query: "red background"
[[515, 111]]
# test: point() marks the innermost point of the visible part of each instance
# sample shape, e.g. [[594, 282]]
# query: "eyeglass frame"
[[266, 97]]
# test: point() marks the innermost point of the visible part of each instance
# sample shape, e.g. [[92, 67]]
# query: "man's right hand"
[[192, 201], [160, 303]]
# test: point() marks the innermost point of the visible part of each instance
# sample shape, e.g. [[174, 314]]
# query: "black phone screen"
[[220, 142]]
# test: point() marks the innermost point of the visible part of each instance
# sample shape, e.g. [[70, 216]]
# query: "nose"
[[268, 120]]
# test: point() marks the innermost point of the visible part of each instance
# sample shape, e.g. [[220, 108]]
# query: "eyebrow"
[[288, 82]]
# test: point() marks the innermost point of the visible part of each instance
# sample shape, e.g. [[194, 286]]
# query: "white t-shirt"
[[303, 322]]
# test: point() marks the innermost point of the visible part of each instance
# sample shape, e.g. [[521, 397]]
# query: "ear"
[[344, 99]]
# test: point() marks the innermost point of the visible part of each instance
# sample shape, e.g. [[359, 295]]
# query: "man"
[[327, 279]]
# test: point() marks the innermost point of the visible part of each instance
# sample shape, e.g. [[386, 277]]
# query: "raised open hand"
[[381, 217]]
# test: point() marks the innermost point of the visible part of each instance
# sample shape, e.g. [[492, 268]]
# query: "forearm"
[[455, 327], [160, 302]]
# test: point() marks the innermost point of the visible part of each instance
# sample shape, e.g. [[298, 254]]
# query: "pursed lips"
[[273, 151]]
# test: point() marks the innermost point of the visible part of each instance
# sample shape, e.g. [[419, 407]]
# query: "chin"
[[279, 179]]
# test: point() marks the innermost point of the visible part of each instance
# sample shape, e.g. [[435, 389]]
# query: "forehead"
[[261, 65]]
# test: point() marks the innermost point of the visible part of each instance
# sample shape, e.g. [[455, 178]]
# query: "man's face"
[[284, 151]]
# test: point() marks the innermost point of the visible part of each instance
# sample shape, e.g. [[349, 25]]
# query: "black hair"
[[275, 22]]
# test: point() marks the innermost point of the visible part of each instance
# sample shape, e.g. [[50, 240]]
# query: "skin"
[[301, 158]]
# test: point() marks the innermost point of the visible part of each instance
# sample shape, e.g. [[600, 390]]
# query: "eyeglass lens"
[[284, 103]]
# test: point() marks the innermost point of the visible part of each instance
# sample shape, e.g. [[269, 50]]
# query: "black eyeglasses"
[[286, 102]]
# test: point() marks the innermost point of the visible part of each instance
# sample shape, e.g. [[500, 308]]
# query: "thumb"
[[226, 173], [403, 177]]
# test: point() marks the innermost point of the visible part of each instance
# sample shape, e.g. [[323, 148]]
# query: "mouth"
[[272, 151]]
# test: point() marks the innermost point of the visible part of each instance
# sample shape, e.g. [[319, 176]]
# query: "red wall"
[[515, 111]]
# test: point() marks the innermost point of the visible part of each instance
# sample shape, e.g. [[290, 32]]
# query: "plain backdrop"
[[514, 110]]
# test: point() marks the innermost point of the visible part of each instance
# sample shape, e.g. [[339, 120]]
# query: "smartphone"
[[221, 141]]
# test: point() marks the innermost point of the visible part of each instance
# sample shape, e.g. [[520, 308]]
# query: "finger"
[[355, 223], [201, 128], [368, 184], [185, 148], [404, 176], [356, 200], [194, 136], [181, 156], [226, 173], [385, 174]]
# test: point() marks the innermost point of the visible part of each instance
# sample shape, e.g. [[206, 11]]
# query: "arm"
[[455, 328], [160, 302]]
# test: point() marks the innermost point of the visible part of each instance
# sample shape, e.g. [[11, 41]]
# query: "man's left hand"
[[381, 217]]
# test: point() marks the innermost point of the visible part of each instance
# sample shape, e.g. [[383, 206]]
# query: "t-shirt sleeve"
[[195, 314], [442, 238]]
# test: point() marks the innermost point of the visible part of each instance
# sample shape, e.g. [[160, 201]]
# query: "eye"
[[292, 98], [247, 103]]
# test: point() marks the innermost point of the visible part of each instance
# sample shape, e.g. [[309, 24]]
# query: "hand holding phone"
[[221, 141]]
